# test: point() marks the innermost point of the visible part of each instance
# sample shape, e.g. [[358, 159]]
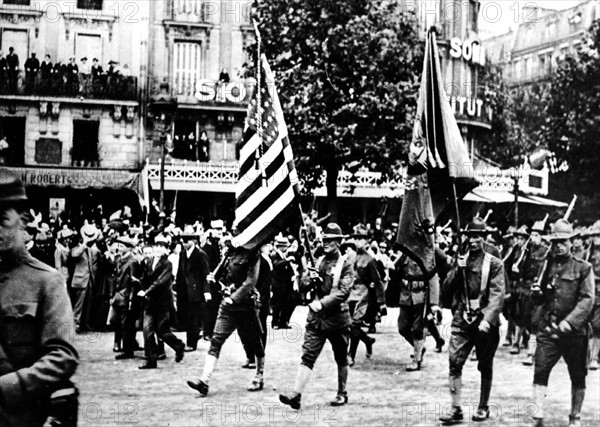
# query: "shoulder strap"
[[337, 272], [485, 271]]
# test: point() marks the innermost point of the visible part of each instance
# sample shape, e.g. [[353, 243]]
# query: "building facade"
[[70, 82], [532, 51]]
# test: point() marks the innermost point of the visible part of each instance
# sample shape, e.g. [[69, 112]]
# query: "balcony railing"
[[115, 86], [191, 10]]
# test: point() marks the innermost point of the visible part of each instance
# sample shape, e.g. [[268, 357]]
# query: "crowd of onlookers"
[[83, 77]]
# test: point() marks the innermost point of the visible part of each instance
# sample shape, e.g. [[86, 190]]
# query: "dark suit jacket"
[[282, 276], [191, 275], [157, 284]]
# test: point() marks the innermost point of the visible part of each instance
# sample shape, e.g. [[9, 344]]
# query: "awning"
[[82, 178], [481, 195]]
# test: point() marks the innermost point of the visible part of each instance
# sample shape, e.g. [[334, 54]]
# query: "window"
[[186, 67], [190, 8], [17, 39], [89, 4], [88, 45], [17, 2], [85, 143], [517, 72], [542, 67]]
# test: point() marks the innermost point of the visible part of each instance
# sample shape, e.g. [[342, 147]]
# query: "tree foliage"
[[347, 75]]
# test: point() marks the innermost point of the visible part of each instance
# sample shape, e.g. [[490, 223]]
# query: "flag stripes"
[[266, 195]]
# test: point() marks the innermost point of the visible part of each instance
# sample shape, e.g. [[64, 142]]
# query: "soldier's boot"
[[258, 382], [483, 411], [362, 335], [342, 395], [353, 346], [516, 346], [293, 399], [594, 349], [455, 416], [577, 396], [417, 357], [539, 399], [201, 385]]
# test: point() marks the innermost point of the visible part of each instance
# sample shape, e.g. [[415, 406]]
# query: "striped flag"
[[266, 193]]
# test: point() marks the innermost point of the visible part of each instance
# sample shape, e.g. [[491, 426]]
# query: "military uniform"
[[486, 297], [36, 335], [595, 316], [567, 295], [366, 277]]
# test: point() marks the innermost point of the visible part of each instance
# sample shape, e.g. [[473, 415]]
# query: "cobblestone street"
[[117, 393]]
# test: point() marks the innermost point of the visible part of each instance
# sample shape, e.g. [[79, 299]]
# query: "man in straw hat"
[[564, 303], [283, 282], [37, 357], [516, 239], [476, 317], [328, 316]]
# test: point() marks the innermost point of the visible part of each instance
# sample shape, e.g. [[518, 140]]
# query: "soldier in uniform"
[[328, 317], [416, 293], [595, 318], [239, 310], [529, 271], [367, 277], [36, 354], [564, 303], [476, 317]]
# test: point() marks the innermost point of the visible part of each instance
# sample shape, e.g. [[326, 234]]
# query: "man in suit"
[[192, 288], [476, 318], [283, 286], [212, 249], [157, 292], [32, 66], [12, 63]]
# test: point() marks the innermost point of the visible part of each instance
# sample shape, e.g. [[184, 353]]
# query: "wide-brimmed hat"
[[12, 190], [561, 230], [89, 233], [522, 231], [477, 227], [360, 232], [333, 231]]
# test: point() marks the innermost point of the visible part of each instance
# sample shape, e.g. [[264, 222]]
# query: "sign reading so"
[[208, 90], [470, 51]]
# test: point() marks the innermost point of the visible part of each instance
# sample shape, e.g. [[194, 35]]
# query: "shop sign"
[[78, 178], [208, 90], [471, 51], [471, 109]]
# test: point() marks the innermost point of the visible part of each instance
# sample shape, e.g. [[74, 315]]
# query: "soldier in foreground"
[[476, 318], [564, 300], [328, 317], [37, 357]]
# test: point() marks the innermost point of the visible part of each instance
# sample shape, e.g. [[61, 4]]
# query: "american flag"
[[266, 192]]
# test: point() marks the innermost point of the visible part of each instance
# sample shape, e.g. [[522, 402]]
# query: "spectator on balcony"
[[224, 76], [12, 62], [203, 147], [72, 77], [32, 66], [84, 70], [3, 69], [97, 76], [85, 67], [58, 78], [126, 71], [46, 74]]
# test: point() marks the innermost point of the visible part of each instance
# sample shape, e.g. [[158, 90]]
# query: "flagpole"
[[259, 110]]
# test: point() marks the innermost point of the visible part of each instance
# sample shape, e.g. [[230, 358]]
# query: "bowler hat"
[[561, 230], [12, 190], [333, 231]]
